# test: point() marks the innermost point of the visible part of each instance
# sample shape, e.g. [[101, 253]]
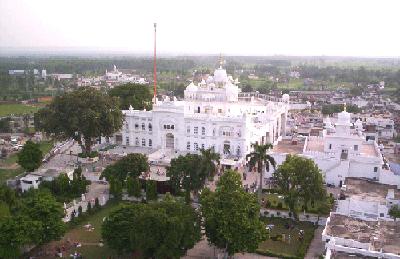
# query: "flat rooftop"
[[315, 145], [364, 189], [289, 147], [368, 149], [380, 234]]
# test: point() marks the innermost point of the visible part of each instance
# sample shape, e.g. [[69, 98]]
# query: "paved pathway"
[[317, 246]]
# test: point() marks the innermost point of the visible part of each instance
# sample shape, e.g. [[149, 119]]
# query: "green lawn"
[[9, 173], [283, 246], [18, 108], [88, 239]]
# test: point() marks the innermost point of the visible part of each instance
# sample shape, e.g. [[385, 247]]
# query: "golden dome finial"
[[220, 60], [344, 107]]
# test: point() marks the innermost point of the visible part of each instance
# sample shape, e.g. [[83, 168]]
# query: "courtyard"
[[286, 239]]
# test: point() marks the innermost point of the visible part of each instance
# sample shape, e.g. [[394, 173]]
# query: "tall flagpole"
[[155, 64]]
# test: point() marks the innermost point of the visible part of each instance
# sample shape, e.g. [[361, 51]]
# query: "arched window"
[[143, 126], [150, 127]]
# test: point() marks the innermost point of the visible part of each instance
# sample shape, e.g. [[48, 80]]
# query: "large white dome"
[[220, 76]]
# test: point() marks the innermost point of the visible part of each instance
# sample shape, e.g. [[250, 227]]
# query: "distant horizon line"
[[88, 51]]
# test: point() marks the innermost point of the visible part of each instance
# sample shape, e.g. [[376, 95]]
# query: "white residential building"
[[214, 114], [341, 151]]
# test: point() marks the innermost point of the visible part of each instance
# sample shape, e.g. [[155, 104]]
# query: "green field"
[[88, 239], [289, 244], [18, 109]]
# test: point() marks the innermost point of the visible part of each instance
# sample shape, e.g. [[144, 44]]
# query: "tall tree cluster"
[[300, 181], [33, 219], [158, 230], [232, 216], [85, 115]]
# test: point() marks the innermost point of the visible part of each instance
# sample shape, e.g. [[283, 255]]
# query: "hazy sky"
[[247, 27]]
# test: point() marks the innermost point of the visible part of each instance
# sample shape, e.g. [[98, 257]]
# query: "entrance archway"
[[169, 141]]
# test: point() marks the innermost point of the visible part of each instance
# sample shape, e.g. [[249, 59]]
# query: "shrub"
[[151, 190], [279, 206], [96, 203], [90, 155], [89, 208]]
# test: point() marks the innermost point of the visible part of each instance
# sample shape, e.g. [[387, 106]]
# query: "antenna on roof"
[[155, 64]]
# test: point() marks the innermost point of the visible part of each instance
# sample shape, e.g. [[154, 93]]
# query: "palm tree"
[[261, 159], [209, 161]]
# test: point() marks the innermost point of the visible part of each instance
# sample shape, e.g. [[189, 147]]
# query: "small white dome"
[[285, 97], [210, 79], [191, 87], [344, 117]]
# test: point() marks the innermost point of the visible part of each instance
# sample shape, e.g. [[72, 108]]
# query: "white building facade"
[[214, 114]]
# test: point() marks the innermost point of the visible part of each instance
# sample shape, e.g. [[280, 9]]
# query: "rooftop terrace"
[[365, 189], [383, 235], [289, 147]]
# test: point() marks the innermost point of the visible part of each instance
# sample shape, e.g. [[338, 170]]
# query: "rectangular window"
[[196, 130], [330, 146], [188, 146], [168, 126], [219, 110], [202, 146], [150, 143], [375, 169], [143, 142], [127, 141], [203, 131], [196, 146], [355, 147], [188, 129]]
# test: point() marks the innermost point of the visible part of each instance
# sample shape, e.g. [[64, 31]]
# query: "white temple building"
[[214, 114], [341, 151]]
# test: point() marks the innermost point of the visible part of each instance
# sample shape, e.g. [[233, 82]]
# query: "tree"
[[186, 172], [84, 114], [151, 190], [41, 206], [259, 157], [137, 188], [133, 164], [158, 230], [299, 180], [30, 157], [209, 160], [16, 232], [232, 216], [394, 211], [137, 95]]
